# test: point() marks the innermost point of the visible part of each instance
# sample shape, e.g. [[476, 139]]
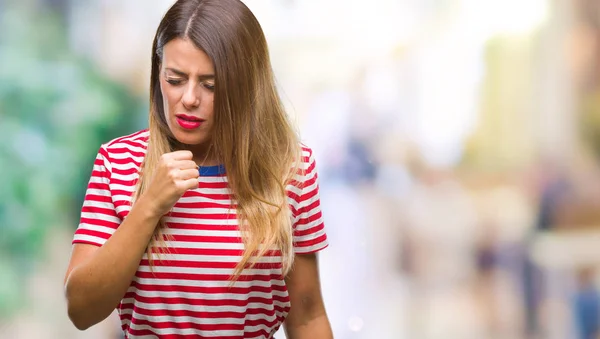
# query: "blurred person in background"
[[586, 305], [554, 186], [208, 223], [568, 206]]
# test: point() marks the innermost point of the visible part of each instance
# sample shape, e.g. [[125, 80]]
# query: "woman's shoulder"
[[130, 147], [307, 164], [307, 154]]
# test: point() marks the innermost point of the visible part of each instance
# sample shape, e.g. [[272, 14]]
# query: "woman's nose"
[[191, 97]]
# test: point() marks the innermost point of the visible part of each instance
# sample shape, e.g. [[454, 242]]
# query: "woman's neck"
[[204, 154]]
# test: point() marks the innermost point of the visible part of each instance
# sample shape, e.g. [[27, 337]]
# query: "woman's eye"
[[209, 86], [174, 82]]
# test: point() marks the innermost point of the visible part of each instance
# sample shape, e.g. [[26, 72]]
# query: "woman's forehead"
[[183, 56]]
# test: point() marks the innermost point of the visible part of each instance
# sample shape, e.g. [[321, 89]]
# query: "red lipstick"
[[188, 121]]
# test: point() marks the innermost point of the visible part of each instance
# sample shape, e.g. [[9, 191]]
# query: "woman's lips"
[[188, 121]]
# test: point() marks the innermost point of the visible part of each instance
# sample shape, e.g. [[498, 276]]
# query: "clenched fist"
[[175, 174]]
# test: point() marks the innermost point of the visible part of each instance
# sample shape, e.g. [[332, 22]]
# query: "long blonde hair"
[[252, 136]]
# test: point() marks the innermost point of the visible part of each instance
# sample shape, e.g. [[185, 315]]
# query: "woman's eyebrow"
[[183, 74]]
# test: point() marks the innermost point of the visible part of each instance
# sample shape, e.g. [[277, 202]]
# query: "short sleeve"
[[308, 228], [99, 219]]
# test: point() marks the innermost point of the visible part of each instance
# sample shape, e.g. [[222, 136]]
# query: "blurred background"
[[458, 143]]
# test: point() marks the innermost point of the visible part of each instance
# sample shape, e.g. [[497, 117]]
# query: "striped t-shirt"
[[189, 293]]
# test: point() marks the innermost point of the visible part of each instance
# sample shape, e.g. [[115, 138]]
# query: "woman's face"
[[187, 84]]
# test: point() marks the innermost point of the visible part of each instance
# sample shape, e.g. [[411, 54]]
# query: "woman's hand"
[[175, 174]]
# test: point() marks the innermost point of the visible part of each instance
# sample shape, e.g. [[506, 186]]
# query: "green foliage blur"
[[55, 111]]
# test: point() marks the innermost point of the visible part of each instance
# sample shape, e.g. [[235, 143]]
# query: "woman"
[[207, 223]]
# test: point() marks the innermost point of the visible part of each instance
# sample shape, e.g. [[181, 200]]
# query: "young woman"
[[207, 224]]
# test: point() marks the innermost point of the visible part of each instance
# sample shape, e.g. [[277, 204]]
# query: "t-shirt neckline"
[[206, 171]]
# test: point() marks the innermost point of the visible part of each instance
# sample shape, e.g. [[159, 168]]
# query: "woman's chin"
[[189, 138]]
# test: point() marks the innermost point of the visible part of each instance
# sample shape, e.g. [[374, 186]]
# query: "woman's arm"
[[98, 277], [307, 318]]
